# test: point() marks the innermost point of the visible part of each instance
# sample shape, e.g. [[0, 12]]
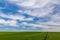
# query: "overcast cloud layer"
[[30, 15]]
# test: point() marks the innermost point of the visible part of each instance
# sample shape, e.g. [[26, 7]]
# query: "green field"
[[29, 36]]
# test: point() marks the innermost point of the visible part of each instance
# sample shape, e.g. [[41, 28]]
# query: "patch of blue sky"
[[26, 15], [44, 19], [2, 3], [5, 18], [11, 8]]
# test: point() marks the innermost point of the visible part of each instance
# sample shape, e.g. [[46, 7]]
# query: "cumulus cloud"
[[40, 12], [56, 17], [16, 17], [8, 23], [35, 8], [31, 3], [51, 30], [48, 24], [55, 1], [52, 25]]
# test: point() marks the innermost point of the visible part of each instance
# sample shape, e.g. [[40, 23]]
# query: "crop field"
[[29, 36]]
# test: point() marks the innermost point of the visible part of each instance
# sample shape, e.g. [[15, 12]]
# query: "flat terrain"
[[29, 36]]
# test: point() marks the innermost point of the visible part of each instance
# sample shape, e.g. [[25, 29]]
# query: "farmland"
[[29, 36]]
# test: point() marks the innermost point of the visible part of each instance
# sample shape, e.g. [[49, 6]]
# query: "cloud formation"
[[34, 14]]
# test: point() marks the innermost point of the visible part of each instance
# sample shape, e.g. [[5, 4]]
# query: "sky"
[[30, 15]]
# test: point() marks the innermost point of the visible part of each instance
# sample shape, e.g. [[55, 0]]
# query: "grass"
[[53, 36], [29, 36]]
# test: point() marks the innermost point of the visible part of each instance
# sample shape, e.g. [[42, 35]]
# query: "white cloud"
[[8, 23], [52, 30], [56, 17], [47, 26], [29, 19], [52, 25], [16, 17], [40, 12], [33, 4], [55, 1], [14, 1], [30, 3], [27, 3], [35, 25], [20, 11]]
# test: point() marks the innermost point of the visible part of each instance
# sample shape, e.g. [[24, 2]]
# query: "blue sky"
[[29, 15]]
